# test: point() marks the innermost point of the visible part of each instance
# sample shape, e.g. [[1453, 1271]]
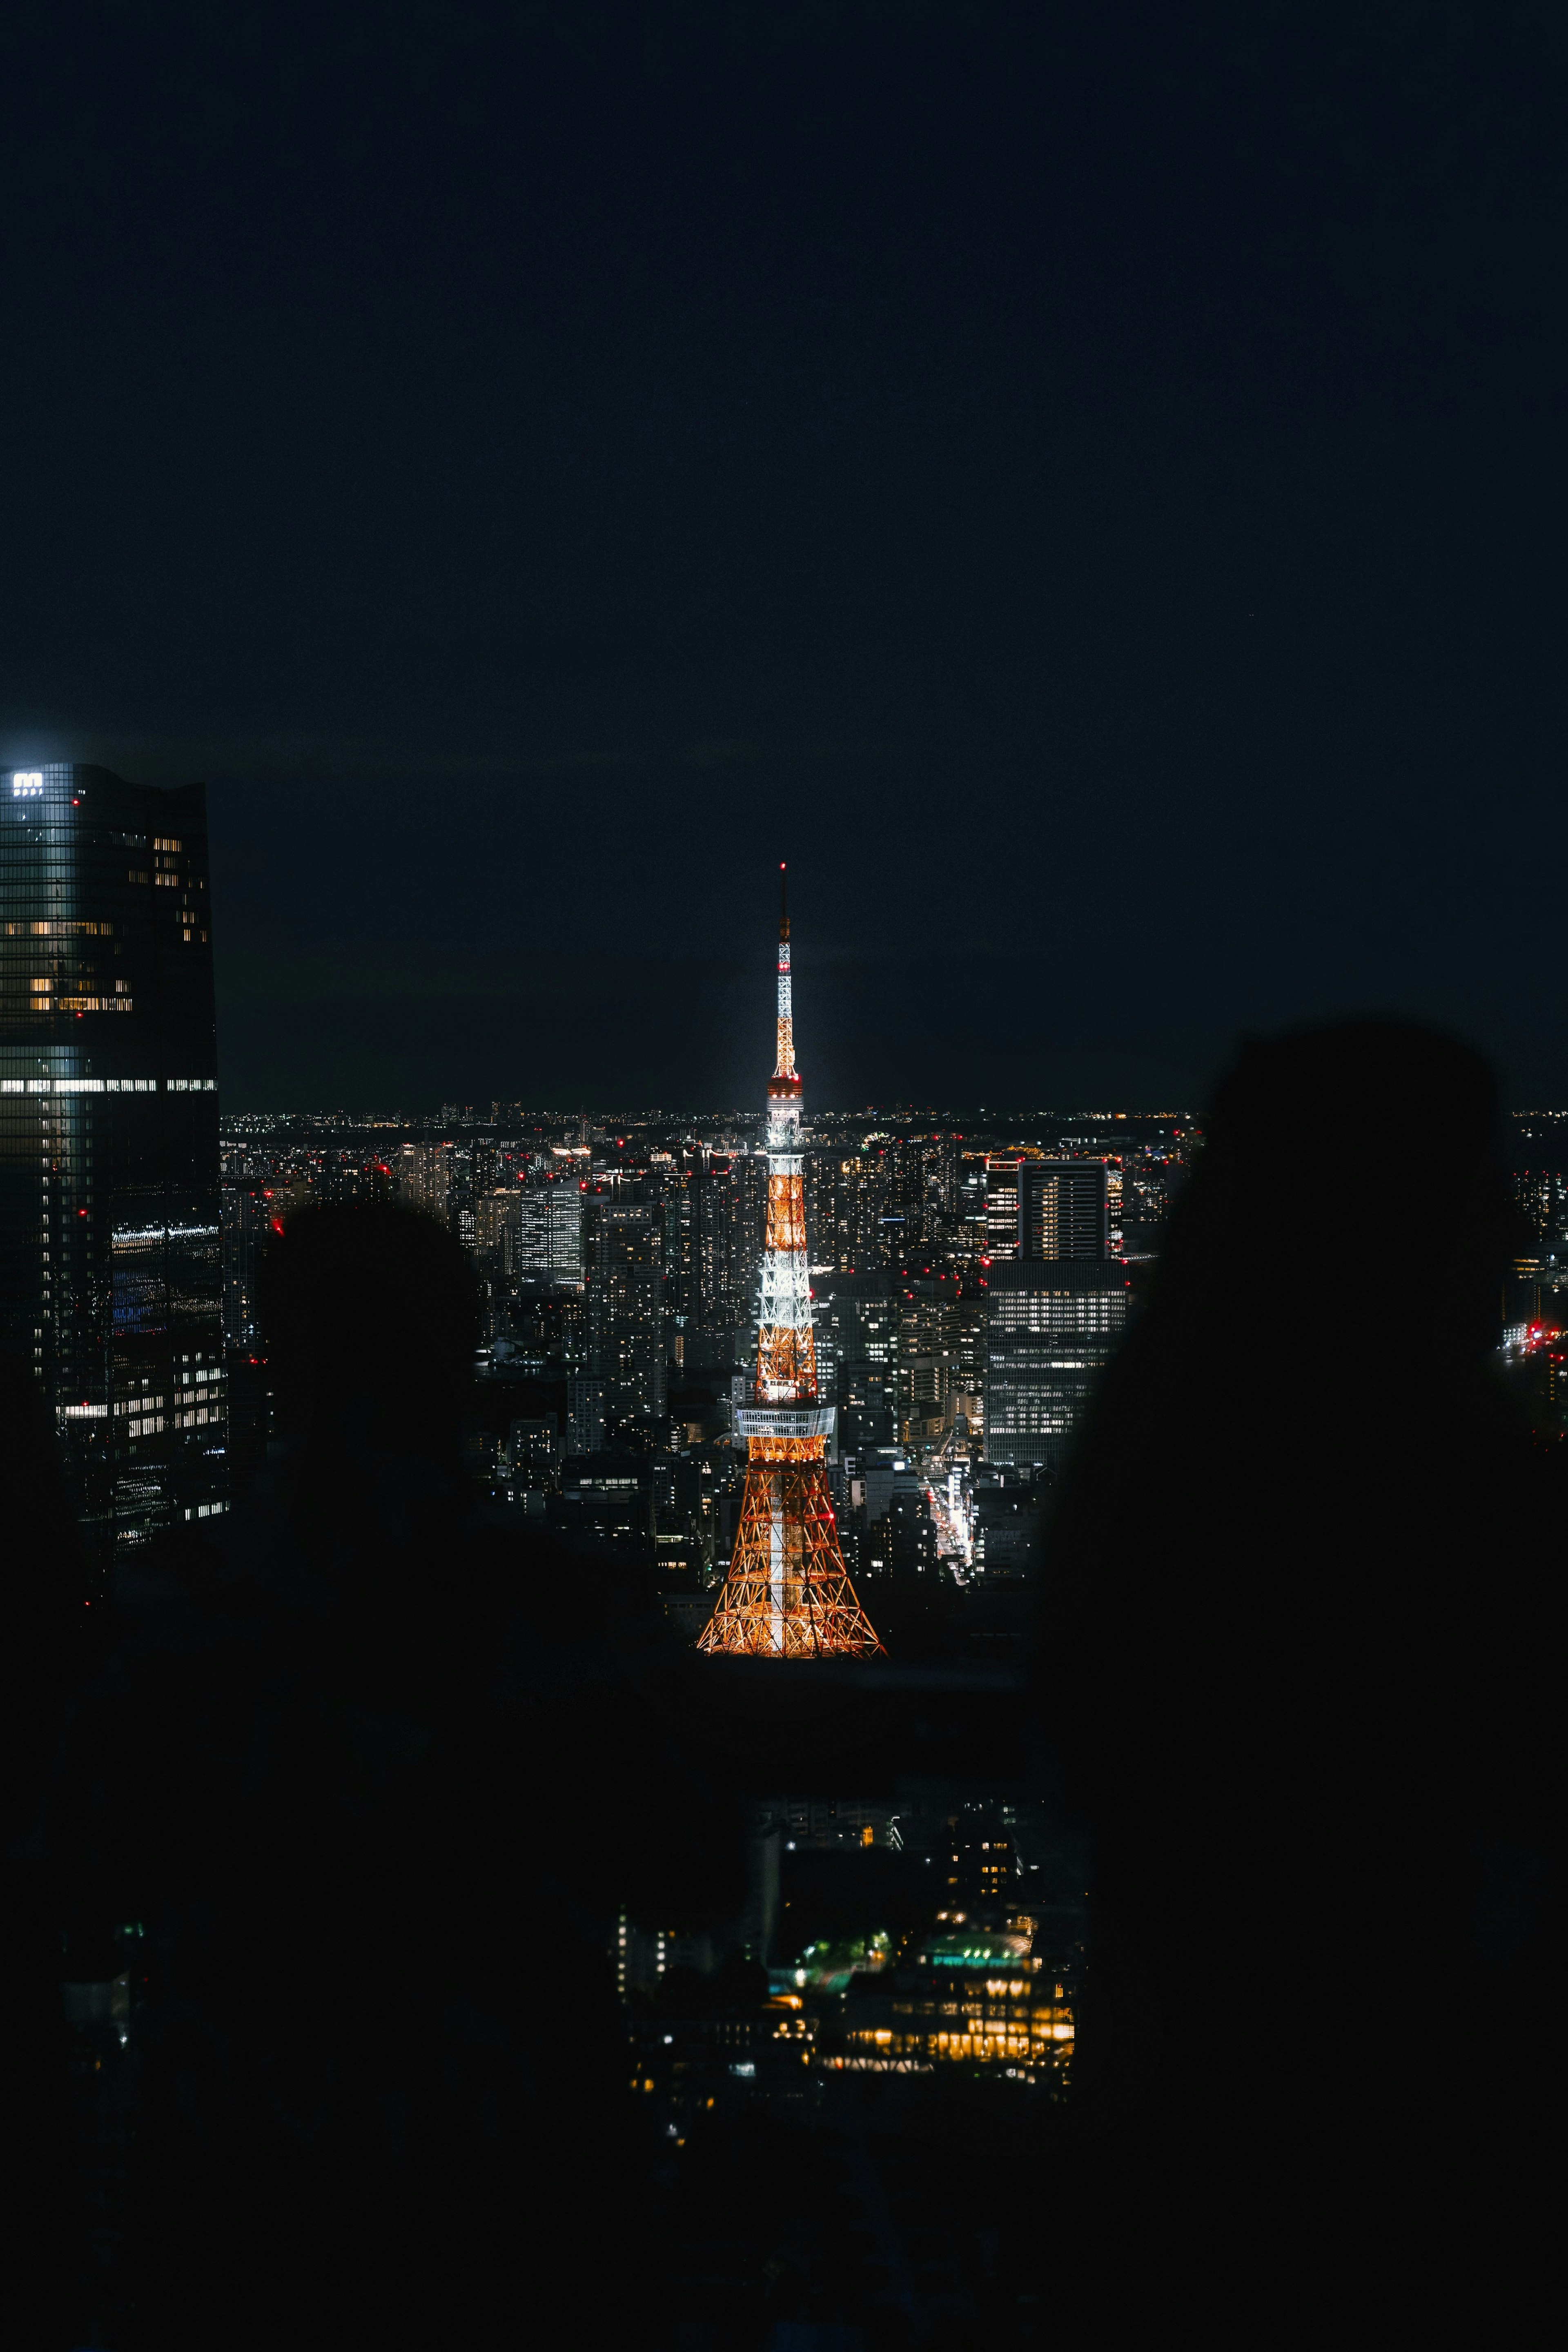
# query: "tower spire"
[[785, 1067], [787, 1594]]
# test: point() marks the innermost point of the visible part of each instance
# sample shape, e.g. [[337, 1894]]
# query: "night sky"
[[1084, 483]]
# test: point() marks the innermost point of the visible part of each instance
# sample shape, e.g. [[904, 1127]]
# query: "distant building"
[[245, 1221], [855, 1224], [834, 1824], [611, 1496], [1052, 1327], [921, 1191], [111, 1265], [721, 1242], [1006, 1521], [498, 1216], [425, 1177], [549, 1240], [949, 2011], [1054, 1309], [1062, 1207], [1001, 1207], [860, 1322], [586, 1400], [909, 1530], [626, 1306], [534, 1449], [981, 1864], [928, 1355]]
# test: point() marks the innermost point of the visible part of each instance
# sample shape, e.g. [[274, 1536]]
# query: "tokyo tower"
[[788, 1593]]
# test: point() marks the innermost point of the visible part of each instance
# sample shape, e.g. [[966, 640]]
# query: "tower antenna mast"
[[787, 1594]]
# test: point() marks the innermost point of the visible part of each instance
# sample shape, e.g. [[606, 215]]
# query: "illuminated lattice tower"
[[788, 1593]]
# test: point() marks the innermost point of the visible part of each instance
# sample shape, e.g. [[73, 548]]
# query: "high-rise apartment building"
[[497, 1219], [245, 1221], [723, 1238], [110, 1269], [1061, 1208], [928, 1356], [675, 1186], [425, 1173], [626, 1304], [922, 1187], [587, 1397], [857, 1227]]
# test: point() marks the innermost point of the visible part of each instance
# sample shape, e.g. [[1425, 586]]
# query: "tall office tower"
[[1001, 1207], [1053, 1315], [1115, 1206], [1062, 1208], [461, 1198], [485, 1166], [111, 1272], [967, 1229], [549, 1233], [626, 1306], [787, 1594]]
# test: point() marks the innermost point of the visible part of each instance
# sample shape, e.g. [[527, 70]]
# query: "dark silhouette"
[[375, 1775], [370, 1779], [45, 1651], [1294, 1673]]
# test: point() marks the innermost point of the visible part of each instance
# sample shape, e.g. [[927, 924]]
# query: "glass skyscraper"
[[111, 1268]]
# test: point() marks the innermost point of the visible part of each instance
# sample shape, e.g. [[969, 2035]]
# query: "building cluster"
[[967, 1289], [899, 1939]]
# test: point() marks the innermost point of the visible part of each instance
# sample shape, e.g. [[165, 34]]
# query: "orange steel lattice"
[[787, 1594]]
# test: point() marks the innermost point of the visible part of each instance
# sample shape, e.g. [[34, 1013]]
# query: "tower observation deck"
[[787, 1594]]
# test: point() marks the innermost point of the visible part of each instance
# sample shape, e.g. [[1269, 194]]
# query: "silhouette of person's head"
[[1351, 1184], [369, 1318], [1269, 1565]]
